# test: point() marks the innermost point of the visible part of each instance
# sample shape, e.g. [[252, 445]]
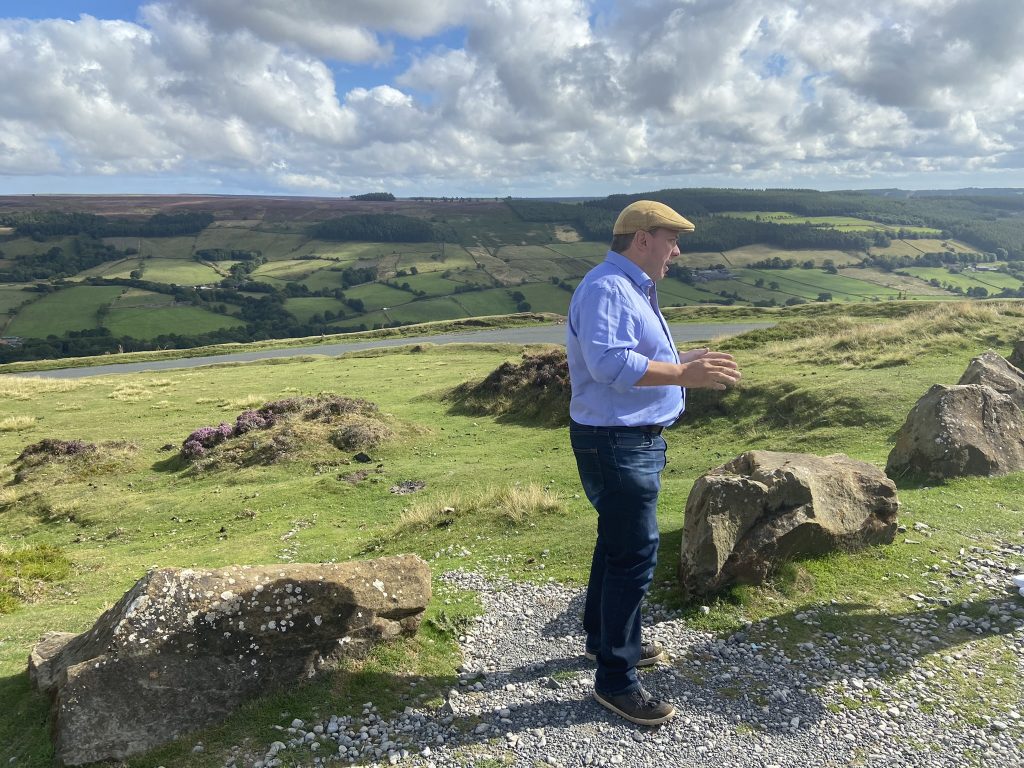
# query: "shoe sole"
[[637, 720], [649, 661]]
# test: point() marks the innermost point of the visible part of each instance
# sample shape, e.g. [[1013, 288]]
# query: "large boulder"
[[968, 429], [993, 370], [1017, 356], [748, 516], [184, 648]]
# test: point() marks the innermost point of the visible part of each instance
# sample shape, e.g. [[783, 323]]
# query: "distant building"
[[10, 341]]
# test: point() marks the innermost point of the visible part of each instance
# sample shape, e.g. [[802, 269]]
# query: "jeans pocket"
[[588, 461]]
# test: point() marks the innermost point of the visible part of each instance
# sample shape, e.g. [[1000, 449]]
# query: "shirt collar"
[[633, 272]]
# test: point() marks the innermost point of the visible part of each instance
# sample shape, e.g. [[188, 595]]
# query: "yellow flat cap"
[[649, 214]]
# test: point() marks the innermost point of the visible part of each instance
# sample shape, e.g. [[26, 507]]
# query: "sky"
[[541, 98]]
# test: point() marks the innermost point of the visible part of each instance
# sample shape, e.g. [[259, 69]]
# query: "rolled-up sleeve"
[[609, 332]]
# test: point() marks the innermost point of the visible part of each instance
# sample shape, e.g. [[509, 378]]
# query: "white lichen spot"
[[379, 586], [318, 620], [227, 595]]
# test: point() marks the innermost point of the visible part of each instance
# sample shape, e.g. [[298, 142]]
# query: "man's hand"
[[698, 368], [703, 368]]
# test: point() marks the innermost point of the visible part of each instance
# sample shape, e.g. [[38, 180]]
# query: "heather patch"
[[75, 457], [534, 391], [287, 428]]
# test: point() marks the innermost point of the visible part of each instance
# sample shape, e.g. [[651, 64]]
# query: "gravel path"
[[888, 696]]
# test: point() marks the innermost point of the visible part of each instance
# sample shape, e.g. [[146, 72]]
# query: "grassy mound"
[[535, 391], [287, 429], [72, 459]]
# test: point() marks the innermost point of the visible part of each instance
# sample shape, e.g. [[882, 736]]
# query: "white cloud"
[[544, 94]]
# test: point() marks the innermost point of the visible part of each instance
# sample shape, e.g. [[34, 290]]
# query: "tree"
[[824, 296]]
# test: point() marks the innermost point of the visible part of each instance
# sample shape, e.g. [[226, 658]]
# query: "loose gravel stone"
[[752, 698]]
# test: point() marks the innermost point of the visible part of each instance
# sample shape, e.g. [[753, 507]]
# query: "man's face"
[[662, 247]]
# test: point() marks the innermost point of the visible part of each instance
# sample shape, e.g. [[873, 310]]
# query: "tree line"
[[43, 224]]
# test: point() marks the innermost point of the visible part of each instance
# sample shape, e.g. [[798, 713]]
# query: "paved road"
[[540, 334]]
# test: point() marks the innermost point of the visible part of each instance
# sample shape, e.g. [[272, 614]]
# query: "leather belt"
[[652, 429]]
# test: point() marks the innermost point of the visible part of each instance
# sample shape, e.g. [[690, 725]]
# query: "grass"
[[70, 309], [13, 296], [150, 322], [812, 383], [179, 271]]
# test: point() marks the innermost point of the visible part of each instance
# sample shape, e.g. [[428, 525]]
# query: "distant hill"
[[83, 275]]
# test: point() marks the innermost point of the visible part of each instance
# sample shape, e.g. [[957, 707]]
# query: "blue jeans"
[[621, 474]]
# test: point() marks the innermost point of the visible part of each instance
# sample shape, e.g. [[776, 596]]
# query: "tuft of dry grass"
[[245, 403], [131, 393], [511, 504], [27, 387], [16, 423]]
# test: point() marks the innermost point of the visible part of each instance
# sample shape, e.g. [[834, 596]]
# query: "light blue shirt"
[[615, 330]]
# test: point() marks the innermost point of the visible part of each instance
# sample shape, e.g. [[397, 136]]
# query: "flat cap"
[[649, 214]]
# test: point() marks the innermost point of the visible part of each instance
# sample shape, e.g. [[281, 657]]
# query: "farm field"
[[442, 308], [12, 296], [156, 247], [742, 257], [70, 309], [920, 247], [150, 322], [991, 281], [289, 271], [377, 295], [179, 272], [271, 245], [304, 307], [842, 223], [120, 268], [909, 286]]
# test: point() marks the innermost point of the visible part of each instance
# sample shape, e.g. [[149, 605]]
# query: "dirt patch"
[[534, 391]]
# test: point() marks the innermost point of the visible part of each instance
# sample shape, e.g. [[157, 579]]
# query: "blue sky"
[[523, 97]]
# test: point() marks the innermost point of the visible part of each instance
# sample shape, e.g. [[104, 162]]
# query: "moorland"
[[98, 275], [497, 493], [495, 484]]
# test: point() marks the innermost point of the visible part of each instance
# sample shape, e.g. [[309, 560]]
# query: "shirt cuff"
[[632, 371]]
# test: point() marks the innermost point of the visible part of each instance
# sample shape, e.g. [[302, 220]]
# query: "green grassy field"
[[13, 296], [991, 281], [305, 307], [842, 223], [179, 272], [148, 322], [71, 309], [922, 246], [156, 247], [288, 271], [822, 381], [377, 295], [271, 245]]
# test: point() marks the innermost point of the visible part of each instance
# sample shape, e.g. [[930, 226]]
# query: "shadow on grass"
[[24, 729]]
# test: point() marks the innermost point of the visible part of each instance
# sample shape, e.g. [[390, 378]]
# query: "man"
[[628, 384]]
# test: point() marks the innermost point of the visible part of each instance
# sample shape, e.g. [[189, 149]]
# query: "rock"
[[746, 517], [992, 370], [962, 430], [1016, 357], [184, 648]]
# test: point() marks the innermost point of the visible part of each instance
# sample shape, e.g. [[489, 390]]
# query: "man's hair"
[[621, 243]]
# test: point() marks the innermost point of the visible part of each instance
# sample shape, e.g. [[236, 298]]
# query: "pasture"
[[841, 223], [149, 322], [69, 309], [304, 307], [13, 295]]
